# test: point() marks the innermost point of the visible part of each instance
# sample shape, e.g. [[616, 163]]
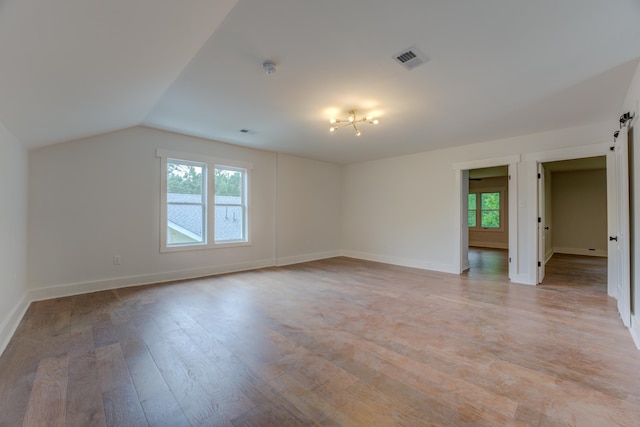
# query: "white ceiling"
[[498, 68]]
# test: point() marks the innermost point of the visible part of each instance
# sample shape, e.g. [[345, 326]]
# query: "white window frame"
[[478, 226], [242, 204], [211, 163]]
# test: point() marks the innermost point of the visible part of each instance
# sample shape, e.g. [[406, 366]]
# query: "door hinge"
[[612, 148], [539, 220], [539, 176], [539, 264], [509, 259]]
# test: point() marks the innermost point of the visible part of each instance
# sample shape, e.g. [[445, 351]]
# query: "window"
[[186, 203], [485, 210], [230, 204], [188, 218]]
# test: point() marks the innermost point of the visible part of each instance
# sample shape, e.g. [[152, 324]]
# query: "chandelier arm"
[[341, 125]]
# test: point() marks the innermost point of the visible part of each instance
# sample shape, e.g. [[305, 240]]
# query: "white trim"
[[487, 163], [493, 245], [523, 279], [579, 152], [306, 257], [70, 289], [12, 320], [635, 330], [581, 251], [405, 262]]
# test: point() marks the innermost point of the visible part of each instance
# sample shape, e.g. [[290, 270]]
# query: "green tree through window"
[[490, 210], [472, 210], [484, 210]]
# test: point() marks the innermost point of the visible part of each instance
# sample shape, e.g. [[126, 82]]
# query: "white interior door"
[[619, 238], [541, 231], [612, 225]]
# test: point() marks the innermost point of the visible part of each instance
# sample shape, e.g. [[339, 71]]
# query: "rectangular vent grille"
[[410, 58], [407, 56]]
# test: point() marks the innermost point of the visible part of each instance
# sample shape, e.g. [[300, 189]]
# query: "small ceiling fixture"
[[351, 121], [269, 67]]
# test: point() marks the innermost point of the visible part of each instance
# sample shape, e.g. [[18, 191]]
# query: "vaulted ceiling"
[[497, 68]]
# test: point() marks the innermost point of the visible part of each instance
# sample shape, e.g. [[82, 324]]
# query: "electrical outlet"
[[116, 260]]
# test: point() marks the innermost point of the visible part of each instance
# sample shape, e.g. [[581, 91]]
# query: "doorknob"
[[611, 238], [546, 228]]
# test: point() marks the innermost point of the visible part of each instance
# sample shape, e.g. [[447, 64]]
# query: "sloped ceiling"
[[498, 68]]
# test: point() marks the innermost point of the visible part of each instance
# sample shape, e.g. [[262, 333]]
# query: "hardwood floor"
[[332, 342]]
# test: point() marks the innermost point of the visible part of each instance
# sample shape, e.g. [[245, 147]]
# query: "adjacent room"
[[354, 213]]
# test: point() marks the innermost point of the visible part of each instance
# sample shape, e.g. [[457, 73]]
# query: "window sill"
[[488, 230], [203, 247]]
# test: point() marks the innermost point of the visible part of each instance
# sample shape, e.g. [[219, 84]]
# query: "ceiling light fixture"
[[351, 121]]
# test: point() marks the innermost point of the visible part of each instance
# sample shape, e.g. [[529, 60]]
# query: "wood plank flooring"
[[338, 342]]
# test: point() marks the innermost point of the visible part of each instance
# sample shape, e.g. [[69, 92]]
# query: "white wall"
[[632, 104], [580, 212], [95, 198], [309, 209], [401, 209], [13, 244]]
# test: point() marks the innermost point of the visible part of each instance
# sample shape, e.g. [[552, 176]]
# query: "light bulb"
[[357, 133], [375, 122], [332, 129], [369, 118], [332, 121]]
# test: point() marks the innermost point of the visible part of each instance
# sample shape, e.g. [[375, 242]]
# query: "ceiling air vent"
[[410, 58]]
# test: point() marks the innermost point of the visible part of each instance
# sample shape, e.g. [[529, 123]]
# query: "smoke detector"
[[269, 67]]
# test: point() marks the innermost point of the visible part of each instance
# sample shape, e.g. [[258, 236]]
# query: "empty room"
[[355, 213]]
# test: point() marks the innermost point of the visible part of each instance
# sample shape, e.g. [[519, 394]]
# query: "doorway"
[[488, 222], [573, 224]]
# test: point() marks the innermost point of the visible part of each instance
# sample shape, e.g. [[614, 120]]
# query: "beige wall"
[[579, 212], [491, 238]]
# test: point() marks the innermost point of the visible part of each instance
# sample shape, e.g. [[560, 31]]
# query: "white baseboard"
[[635, 330], [11, 321], [307, 257], [523, 279], [548, 256], [493, 245], [405, 262], [144, 279], [580, 251]]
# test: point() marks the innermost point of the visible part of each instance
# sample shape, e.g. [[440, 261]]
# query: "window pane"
[[228, 182], [490, 219], [490, 201], [186, 202], [472, 209], [472, 200], [183, 178], [229, 221], [184, 224], [472, 218]]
